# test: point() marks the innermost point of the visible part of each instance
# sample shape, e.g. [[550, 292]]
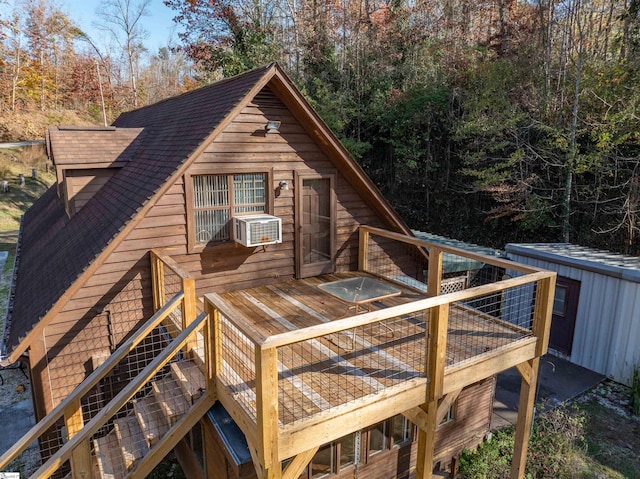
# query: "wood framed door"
[[315, 224], [565, 310]]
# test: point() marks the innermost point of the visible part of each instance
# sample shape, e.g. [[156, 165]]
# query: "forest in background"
[[488, 121]]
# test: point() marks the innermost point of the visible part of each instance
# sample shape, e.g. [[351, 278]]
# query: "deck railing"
[[285, 383]]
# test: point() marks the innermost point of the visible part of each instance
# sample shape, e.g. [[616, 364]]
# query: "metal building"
[[596, 312]]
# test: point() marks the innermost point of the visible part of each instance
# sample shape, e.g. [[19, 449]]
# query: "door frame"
[[325, 267], [570, 315]]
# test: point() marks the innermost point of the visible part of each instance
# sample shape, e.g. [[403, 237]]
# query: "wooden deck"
[[320, 374]]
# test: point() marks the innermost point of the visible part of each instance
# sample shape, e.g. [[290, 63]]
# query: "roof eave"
[[13, 356]]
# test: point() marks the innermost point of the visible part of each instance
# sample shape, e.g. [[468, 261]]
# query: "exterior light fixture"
[[272, 126], [284, 186]]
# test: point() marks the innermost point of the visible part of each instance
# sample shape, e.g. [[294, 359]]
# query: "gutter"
[[7, 322]]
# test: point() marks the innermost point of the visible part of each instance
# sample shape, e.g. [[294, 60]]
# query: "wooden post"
[[81, 455], [189, 311], [212, 346], [426, 442], [525, 416], [267, 413], [435, 271], [543, 310], [437, 350], [157, 281], [436, 362], [363, 249]]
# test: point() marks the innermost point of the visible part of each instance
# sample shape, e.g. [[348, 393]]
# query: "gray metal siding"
[[607, 331]]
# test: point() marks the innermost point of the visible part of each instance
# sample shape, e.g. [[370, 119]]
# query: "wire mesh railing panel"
[[460, 272], [485, 323], [140, 424], [238, 373], [91, 347], [127, 369], [323, 373], [397, 261], [173, 284]]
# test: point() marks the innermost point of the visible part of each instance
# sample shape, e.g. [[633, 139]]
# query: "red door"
[[565, 309]]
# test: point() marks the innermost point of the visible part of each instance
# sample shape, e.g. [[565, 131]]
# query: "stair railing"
[[69, 403], [65, 453]]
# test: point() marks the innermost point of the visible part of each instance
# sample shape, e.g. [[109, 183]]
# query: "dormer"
[[86, 158]]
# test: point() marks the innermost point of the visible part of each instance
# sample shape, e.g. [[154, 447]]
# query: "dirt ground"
[[16, 418]]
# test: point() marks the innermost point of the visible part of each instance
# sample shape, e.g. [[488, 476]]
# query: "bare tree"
[[121, 19]]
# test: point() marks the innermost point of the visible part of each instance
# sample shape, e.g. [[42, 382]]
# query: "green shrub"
[[555, 438], [491, 460]]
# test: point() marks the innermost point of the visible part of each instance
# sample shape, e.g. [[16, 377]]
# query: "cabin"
[[596, 305], [214, 275]]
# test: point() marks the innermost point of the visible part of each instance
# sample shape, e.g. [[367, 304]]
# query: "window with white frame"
[[217, 198]]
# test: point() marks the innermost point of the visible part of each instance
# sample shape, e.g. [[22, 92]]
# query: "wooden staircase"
[[131, 437]]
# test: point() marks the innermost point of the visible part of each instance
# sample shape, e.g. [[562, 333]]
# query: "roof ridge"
[[216, 83]]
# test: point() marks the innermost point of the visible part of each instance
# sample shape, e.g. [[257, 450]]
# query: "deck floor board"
[[325, 372]]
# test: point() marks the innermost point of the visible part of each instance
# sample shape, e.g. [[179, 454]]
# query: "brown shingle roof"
[[72, 146], [56, 250]]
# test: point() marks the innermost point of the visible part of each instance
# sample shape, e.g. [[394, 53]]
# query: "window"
[[401, 429], [560, 301], [322, 463], [378, 440], [216, 198], [450, 416], [333, 457]]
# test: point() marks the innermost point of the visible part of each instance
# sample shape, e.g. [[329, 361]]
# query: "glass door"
[[315, 225]]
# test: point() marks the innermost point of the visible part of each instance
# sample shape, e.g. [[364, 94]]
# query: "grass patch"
[[613, 440], [584, 440], [18, 199]]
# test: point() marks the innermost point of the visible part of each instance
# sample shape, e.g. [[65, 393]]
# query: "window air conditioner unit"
[[257, 230]]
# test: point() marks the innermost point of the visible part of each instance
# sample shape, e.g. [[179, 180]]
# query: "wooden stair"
[[131, 440], [131, 437]]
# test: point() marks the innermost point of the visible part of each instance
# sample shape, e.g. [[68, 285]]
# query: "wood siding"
[[82, 184], [244, 146], [472, 412], [122, 285]]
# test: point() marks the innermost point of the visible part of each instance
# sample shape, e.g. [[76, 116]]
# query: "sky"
[[158, 23]]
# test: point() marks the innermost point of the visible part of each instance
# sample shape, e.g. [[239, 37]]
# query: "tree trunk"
[[573, 148]]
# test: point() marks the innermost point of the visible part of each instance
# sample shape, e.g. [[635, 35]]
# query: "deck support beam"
[[298, 463], [525, 416], [436, 362], [419, 417], [427, 442], [445, 404], [189, 312]]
